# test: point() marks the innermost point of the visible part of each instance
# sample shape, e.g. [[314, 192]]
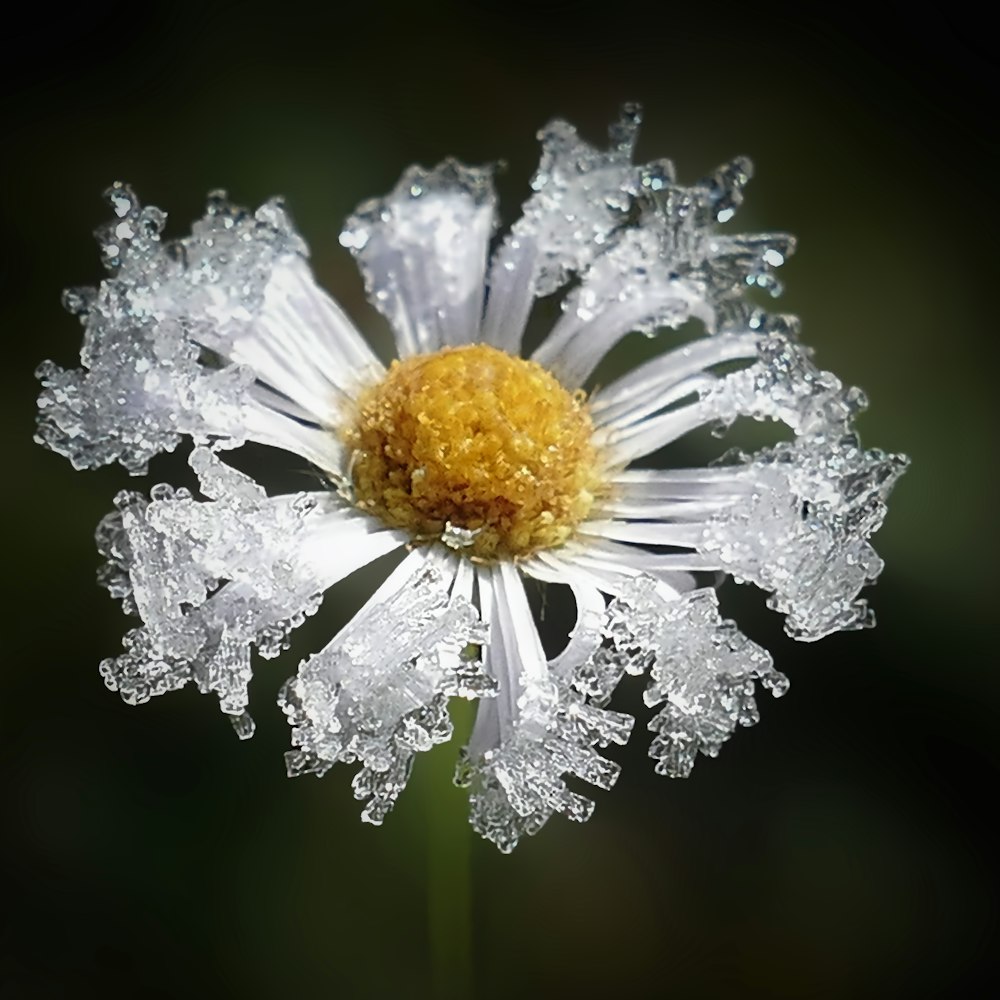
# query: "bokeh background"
[[839, 849]]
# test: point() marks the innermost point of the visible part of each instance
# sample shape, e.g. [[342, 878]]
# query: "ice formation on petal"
[[540, 729], [211, 579], [723, 265], [666, 266], [378, 692], [802, 529], [785, 384], [422, 251], [702, 670], [581, 195], [677, 392], [146, 380]]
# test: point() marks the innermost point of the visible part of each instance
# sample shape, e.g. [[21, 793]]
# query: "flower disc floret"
[[474, 440]]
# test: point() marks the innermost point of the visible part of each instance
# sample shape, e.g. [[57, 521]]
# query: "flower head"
[[485, 467]]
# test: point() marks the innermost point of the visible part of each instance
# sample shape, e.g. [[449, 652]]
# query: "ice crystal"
[[803, 531], [541, 728], [702, 670], [378, 692], [142, 385], [784, 384], [224, 337], [209, 579]]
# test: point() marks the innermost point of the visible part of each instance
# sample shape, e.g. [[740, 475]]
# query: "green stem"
[[449, 857]]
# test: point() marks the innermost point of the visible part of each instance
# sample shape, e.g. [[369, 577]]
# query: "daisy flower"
[[481, 466]]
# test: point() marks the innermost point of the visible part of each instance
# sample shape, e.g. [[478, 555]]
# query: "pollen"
[[477, 445]]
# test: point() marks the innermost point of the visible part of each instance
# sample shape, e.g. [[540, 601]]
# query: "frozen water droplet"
[[243, 725]]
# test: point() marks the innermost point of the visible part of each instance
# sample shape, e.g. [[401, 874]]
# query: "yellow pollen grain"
[[481, 439]]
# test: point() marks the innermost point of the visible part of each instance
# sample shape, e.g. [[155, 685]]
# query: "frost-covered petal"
[[629, 287], [378, 692], [668, 266], [211, 579], [801, 529], [635, 418], [422, 251], [538, 730], [582, 194], [702, 670], [208, 336]]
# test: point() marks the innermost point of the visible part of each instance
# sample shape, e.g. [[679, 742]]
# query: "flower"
[[485, 467]]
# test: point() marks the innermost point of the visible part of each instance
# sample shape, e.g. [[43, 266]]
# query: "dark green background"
[[838, 849]]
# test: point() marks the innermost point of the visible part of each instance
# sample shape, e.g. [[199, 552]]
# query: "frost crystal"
[[702, 670], [540, 729], [378, 692], [803, 531], [143, 385], [785, 385], [224, 337], [209, 579]]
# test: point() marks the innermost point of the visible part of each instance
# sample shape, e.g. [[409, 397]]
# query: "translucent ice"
[[702, 670], [802, 531], [377, 694]]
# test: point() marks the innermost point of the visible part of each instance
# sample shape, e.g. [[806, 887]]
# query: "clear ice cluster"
[[144, 381], [803, 531], [544, 725], [224, 337], [702, 670], [378, 693], [209, 579]]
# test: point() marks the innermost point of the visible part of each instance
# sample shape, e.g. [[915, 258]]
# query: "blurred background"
[[839, 849]]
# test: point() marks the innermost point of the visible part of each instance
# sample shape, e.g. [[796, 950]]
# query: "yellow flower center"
[[472, 443]]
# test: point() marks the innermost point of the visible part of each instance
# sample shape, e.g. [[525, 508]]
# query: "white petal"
[[645, 533], [627, 288], [666, 379], [703, 671], [666, 267], [299, 343], [525, 742], [586, 635], [238, 285], [802, 531], [422, 250], [581, 195], [378, 691], [317, 445], [783, 384]]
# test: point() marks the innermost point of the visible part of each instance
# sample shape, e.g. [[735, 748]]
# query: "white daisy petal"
[[581, 195], [645, 533], [630, 287], [209, 579], [586, 635], [300, 344], [611, 565], [378, 692], [668, 378], [669, 268], [239, 286], [422, 250], [801, 531], [783, 385], [539, 730]]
